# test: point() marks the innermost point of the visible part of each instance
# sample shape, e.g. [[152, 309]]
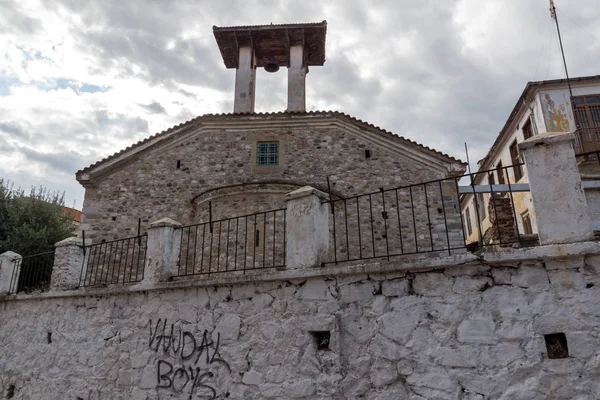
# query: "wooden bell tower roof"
[[272, 42]]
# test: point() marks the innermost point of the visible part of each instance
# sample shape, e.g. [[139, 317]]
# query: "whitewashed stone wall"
[[437, 328]]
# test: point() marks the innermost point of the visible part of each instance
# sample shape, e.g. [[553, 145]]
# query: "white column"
[[7, 268], [162, 251], [68, 262], [297, 80], [307, 228], [245, 82], [555, 183]]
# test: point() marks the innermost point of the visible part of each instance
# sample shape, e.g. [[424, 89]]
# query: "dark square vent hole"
[[322, 339], [556, 344]]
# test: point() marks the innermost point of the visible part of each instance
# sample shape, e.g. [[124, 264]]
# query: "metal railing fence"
[[236, 244], [426, 217], [587, 140], [115, 261], [32, 273]]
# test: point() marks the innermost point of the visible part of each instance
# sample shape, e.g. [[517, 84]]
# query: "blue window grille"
[[267, 153]]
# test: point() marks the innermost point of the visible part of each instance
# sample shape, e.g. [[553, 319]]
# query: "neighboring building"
[[245, 162], [543, 106], [74, 214]]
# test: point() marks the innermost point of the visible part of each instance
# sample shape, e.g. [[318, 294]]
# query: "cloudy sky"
[[80, 80]]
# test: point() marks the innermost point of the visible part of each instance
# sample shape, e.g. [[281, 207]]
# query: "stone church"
[[245, 162]]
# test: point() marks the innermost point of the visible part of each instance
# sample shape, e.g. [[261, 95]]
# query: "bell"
[[271, 66]]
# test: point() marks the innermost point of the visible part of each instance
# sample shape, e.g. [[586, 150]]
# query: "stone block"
[[574, 262], [229, 327], [252, 378], [383, 373], [398, 325], [502, 276], [433, 378], [470, 270], [396, 287], [478, 331], [459, 357], [383, 347], [432, 284], [530, 276], [314, 289], [466, 284], [299, 388], [395, 392], [359, 291], [506, 353], [567, 279]]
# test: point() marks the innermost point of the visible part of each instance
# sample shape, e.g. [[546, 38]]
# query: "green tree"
[[33, 223]]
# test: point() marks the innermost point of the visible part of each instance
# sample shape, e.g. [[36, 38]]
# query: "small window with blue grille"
[[267, 153]]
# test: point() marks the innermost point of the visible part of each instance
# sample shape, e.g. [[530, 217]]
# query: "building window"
[[468, 221], [526, 219], [515, 158], [500, 172], [587, 119], [527, 131], [481, 206], [587, 111], [267, 153]]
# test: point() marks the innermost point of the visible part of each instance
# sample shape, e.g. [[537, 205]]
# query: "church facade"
[[245, 162]]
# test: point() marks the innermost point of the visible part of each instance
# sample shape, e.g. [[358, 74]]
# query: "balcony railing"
[[587, 140]]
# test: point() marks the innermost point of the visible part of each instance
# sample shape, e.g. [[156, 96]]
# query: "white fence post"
[[164, 241], [307, 228], [7, 269], [68, 262], [555, 183]]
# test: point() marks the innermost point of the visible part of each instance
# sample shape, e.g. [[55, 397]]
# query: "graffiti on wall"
[[188, 363]]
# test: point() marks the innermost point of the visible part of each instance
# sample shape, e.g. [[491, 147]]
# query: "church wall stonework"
[[152, 187], [435, 328]]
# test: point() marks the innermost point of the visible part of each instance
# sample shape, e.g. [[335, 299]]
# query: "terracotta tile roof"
[[230, 116], [76, 214]]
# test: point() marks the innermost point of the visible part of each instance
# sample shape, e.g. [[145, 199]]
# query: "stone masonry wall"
[[502, 218], [152, 187], [473, 331]]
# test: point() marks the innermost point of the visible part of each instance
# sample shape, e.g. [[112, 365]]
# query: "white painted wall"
[[471, 331]]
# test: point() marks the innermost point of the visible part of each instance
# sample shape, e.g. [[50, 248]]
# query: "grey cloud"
[[13, 19], [14, 129], [154, 108], [127, 126], [64, 161]]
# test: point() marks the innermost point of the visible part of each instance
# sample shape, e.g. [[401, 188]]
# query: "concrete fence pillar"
[[68, 262], [297, 79], [245, 81], [164, 241], [307, 228], [556, 190], [7, 268]]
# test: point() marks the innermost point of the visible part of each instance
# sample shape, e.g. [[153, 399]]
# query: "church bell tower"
[[295, 46]]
